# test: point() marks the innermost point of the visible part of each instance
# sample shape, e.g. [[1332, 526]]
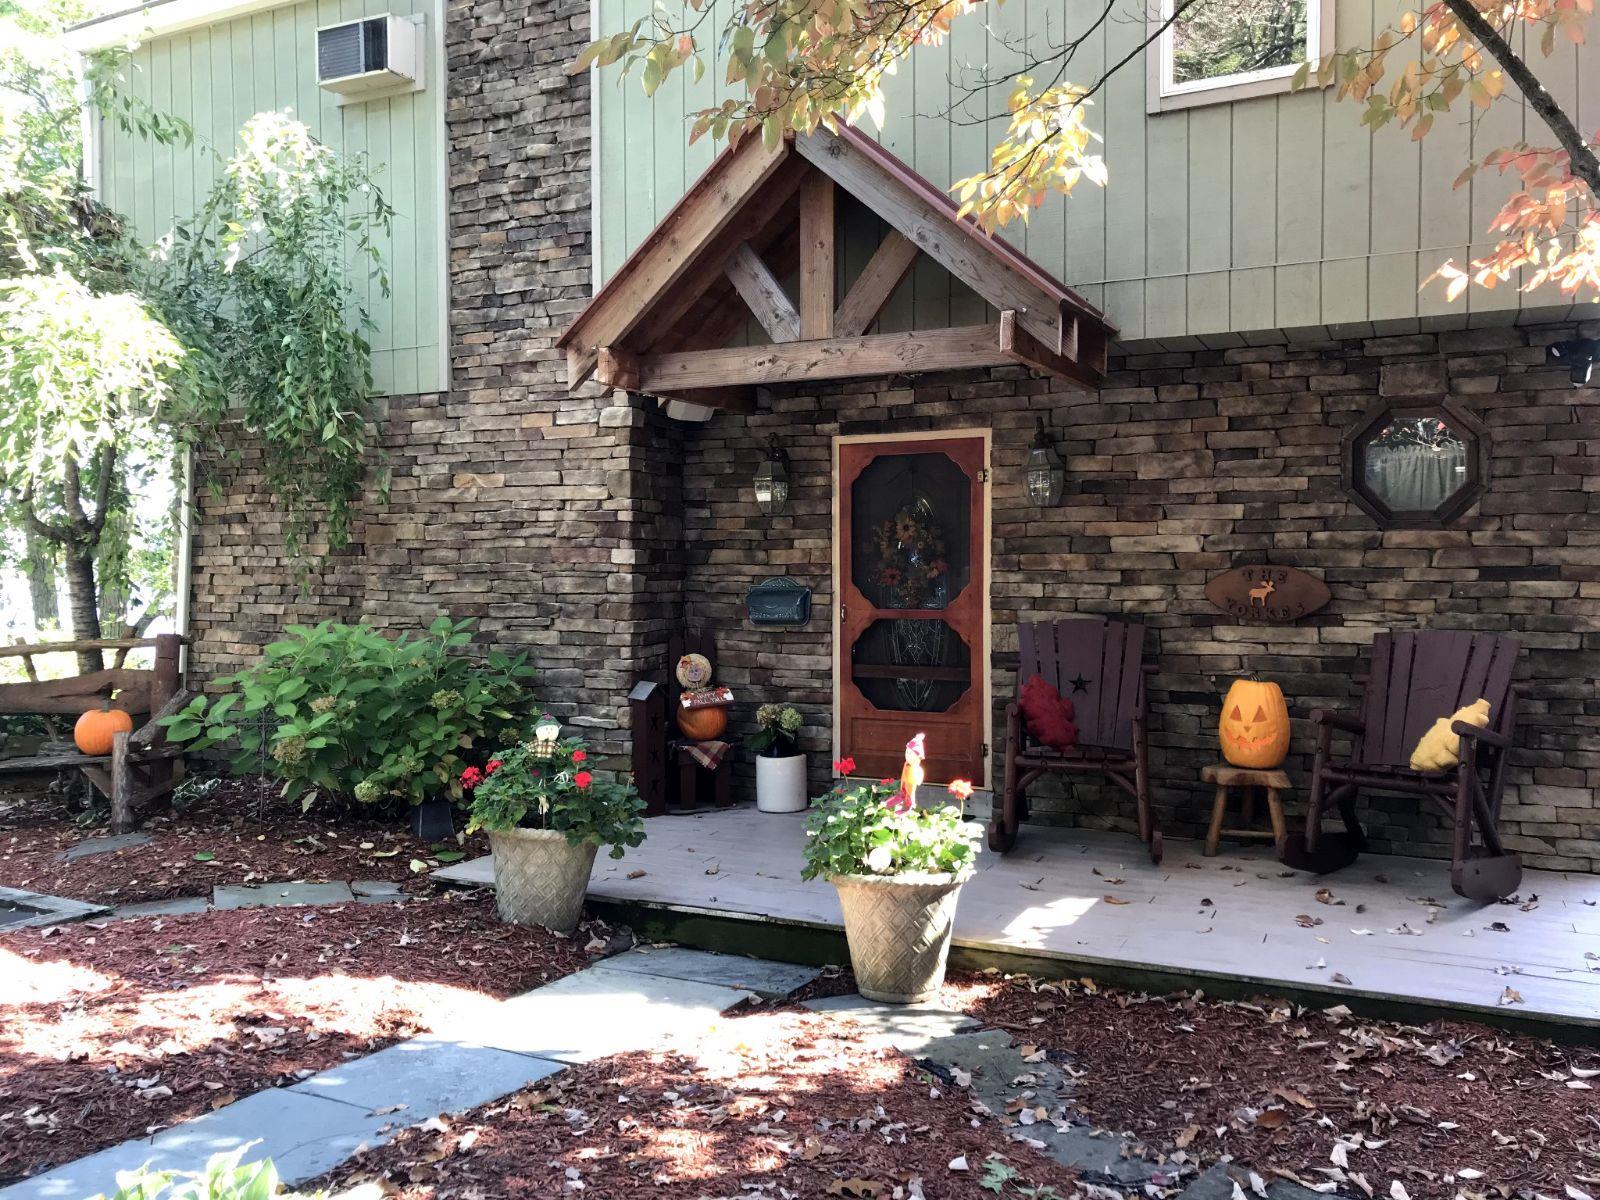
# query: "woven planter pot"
[[539, 879], [898, 927]]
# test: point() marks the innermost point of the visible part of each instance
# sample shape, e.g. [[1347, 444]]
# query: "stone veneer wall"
[[1181, 467], [512, 503], [582, 529]]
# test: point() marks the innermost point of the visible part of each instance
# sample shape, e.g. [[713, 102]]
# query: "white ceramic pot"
[[781, 784], [898, 928], [539, 878]]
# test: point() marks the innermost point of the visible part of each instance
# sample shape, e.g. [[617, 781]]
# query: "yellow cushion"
[[1440, 747]]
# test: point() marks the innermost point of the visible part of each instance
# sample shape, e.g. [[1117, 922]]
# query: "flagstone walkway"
[[644, 998], [656, 997]]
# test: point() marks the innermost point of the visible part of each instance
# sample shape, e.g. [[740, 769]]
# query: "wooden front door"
[[913, 599]]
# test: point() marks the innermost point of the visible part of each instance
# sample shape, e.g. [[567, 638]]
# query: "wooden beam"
[[873, 287], [674, 246], [816, 256], [618, 368], [1017, 344], [674, 313], [764, 295], [935, 231], [829, 358]]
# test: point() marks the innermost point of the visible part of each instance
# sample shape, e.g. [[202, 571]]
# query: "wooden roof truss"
[[664, 323]]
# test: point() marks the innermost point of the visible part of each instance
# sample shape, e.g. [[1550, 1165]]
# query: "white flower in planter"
[[879, 859]]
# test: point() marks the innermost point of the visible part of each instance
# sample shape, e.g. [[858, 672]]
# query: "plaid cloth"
[[707, 754]]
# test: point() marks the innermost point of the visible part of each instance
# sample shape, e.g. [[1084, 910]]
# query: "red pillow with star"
[[1048, 714]]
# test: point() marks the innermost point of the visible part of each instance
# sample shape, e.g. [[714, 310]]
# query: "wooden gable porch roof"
[[662, 324]]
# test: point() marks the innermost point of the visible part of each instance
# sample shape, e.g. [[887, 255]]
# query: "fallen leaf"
[[1273, 1118], [637, 874], [857, 1187], [1511, 996], [958, 1163], [1113, 900], [1292, 1096], [1187, 1136], [204, 856]]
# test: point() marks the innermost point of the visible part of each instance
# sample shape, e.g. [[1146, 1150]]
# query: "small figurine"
[[545, 735], [702, 708]]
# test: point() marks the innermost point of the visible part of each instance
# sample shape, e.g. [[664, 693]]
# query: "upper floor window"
[[1221, 50]]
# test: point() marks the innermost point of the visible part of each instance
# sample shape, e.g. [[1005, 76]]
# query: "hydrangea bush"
[[523, 789], [777, 732], [344, 710], [876, 829]]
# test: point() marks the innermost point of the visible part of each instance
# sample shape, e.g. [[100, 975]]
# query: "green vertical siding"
[[219, 76], [1278, 212]]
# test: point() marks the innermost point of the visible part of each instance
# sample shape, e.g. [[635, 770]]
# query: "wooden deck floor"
[[1391, 927]]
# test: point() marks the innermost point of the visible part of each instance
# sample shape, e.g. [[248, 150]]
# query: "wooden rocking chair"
[[1416, 678], [1098, 664]]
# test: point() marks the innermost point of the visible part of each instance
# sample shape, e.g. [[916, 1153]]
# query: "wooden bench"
[[142, 765]]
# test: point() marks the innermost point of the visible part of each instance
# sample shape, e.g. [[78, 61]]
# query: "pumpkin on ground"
[[1254, 730], [96, 728]]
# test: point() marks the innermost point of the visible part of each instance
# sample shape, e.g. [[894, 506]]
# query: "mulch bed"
[[1443, 1109], [237, 837], [771, 1105], [113, 1030]]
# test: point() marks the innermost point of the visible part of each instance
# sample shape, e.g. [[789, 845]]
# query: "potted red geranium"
[[547, 813]]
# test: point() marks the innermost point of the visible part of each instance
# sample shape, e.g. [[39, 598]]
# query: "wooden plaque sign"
[[1267, 595]]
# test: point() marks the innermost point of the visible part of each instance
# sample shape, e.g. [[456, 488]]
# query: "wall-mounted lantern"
[[772, 479], [1045, 473]]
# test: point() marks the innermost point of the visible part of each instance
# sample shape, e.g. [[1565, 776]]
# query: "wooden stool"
[[1273, 783]]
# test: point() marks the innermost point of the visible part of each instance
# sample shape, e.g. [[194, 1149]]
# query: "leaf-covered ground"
[[776, 1104], [784, 1104], [1446, 1109], [107, 1031], [230, 836]]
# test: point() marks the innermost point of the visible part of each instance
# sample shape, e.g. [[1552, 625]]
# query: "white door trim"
[[985, 663]]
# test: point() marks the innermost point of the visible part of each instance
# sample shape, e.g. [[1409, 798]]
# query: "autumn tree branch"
[[1585, 165]]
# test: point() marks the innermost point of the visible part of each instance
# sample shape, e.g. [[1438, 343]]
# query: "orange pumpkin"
[[96, 728], [1254, 730], [703, 724]]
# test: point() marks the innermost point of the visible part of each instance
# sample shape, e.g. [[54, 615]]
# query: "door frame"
[[986, 633]]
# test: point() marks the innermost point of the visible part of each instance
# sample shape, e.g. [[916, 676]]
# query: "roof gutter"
[[158, 19]]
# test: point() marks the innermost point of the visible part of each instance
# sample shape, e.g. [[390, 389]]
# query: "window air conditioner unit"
[[376, 55]]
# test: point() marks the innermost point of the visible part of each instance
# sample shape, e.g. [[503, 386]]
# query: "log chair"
[[142, 765]]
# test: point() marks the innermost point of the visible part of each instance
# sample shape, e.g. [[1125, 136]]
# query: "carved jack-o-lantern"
[[1254, 730]]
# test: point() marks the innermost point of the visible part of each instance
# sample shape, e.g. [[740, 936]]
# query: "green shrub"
[[520, 788], [344, 710], [222, 1178]]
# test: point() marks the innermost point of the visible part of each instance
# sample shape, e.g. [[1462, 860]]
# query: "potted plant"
[[898, 870], [780, 766], [546, 814]]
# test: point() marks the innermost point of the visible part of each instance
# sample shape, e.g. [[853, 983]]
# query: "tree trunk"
[[82, 603], [42, 581]]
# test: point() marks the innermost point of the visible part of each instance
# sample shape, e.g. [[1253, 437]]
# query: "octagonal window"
[[911, 664], [1416, 465]]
